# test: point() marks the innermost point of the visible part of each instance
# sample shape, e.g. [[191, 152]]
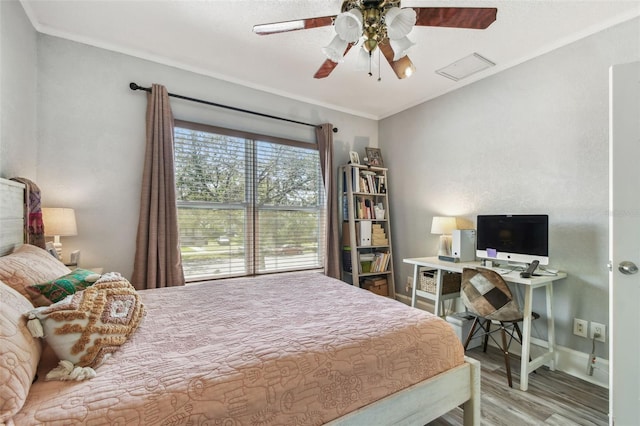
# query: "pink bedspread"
[[298, 349]]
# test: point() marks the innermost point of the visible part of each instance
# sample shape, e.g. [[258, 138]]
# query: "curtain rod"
[[134, 86]]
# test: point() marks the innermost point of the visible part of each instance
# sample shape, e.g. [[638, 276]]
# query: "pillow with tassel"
[[85, 328]]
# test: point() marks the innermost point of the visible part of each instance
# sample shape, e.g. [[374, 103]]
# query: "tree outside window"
[[246, 205]]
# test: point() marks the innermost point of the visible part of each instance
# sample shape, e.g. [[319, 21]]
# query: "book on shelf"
[[364, 208], [364, 187], [368, 182], [368, 209], [345, 206], [380, 185], [355, 179], [380, 262], [364, 181], [346, 237], [346, 259]]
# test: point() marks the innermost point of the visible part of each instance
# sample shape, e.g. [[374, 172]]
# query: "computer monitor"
[[514, 238]]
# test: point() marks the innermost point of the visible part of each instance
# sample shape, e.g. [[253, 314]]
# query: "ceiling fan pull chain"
[[379, 77]]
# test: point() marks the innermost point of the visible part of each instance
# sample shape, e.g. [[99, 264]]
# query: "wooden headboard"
[[11, 215]]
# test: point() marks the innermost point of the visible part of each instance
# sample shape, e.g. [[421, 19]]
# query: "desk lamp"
[[59, 222], [443, 226]]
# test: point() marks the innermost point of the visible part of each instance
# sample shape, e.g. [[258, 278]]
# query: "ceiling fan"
[[381, 24]]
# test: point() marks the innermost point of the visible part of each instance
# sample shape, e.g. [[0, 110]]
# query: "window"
[[247, 204]]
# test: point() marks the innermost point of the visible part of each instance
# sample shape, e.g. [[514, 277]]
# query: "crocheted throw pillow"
[[87, 327], [55, 290], [486, 294]]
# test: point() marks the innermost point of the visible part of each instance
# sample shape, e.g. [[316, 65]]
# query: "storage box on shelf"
[[450, 282], [366, 233], [378, 285]]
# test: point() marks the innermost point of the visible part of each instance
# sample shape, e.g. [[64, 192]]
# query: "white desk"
[[528, 284]]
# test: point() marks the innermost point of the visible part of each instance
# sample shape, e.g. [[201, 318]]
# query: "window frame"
[[250, 203]]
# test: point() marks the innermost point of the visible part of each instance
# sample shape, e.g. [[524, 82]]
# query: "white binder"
[[365, 233]]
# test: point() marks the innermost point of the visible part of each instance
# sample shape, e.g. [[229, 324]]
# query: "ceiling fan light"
[[408, 72], [399, 22], [400, 47], [335, 50], [348, 25], [370, 45]]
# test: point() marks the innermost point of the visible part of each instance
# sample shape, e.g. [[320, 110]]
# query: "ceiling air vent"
[[465, 67]]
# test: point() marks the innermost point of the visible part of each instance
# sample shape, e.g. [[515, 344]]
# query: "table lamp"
[[443, 226], [59, 222]]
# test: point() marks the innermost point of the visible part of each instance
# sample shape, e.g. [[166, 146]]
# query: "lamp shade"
[[443, 225], [399, 22], [349, 25], [400, 47], [335, 50], [59, 222]]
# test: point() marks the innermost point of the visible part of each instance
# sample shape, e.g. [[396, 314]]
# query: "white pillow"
[[19, 352]]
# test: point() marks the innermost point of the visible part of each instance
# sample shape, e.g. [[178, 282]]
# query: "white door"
[[624, 245]]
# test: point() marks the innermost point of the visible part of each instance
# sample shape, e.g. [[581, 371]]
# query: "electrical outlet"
[[580, 327], [600, 329], [409, 285]]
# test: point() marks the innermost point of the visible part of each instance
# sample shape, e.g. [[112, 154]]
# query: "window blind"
[[247, 204]]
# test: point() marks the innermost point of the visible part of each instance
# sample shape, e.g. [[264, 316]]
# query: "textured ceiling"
[[215, 38]]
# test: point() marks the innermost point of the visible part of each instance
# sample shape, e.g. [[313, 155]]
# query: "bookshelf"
[[367, 257]]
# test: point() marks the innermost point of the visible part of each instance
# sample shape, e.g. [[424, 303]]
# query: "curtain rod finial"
[[335, 130], [133, 86]]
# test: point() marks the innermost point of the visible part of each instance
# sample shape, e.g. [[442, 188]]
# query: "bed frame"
[[425, 401], [416, 405], [11, 215]]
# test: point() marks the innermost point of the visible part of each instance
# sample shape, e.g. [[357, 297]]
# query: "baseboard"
[[568, 360], [575, 363]]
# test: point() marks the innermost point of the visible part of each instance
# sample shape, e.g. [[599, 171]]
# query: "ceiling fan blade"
[[325, 69], [456, 17], [403, 67], [328, 65], [298, 24]]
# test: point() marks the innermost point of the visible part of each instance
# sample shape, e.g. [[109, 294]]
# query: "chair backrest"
[[485, 293]]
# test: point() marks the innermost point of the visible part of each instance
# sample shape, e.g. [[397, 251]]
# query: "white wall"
[[18, 88], [531, 139], [91, 131]]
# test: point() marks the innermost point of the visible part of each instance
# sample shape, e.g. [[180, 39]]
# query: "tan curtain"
[[158, 262], [324, 136]]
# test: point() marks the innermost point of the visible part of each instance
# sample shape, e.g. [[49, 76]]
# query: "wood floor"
[[553, 398]]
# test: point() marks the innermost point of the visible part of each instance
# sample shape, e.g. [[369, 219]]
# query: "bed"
[[295, 348]]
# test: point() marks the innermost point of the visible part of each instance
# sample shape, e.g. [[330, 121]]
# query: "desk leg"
[[437, 302], [526, 339], [415, 285], [551, 330]]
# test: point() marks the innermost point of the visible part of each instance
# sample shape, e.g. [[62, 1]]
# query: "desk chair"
[[486, 295]]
